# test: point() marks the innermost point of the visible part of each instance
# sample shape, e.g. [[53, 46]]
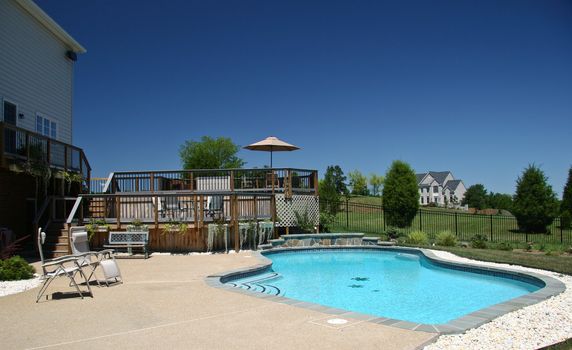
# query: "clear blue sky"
[[481, 88]]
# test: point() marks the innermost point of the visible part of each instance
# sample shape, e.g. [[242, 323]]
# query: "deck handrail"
[[275, 180], [108, 182], [24, 139]]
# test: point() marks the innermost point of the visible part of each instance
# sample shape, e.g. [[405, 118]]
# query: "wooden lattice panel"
[[285, 208]]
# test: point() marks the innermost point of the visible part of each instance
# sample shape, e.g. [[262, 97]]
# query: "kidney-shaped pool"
[[391, 284]]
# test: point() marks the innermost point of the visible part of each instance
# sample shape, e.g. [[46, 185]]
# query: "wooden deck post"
[[156, 212], [152, 182], [316, 181], [232, 180], [118, 211], [273, 211], [234, 221]]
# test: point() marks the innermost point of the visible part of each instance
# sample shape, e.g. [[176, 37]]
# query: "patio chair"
[[215, 206], [94, 259], [65, 266]]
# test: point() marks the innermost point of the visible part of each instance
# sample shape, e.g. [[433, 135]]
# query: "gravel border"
[[532, 327], [13, 287]]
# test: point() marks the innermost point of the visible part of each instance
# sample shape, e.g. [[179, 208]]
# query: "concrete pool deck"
[[165, 302]]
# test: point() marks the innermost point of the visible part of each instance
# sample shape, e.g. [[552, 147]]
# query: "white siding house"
[[440, 188], [36, 70]]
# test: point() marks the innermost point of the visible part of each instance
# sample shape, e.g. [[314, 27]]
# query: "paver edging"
[[552, 287]]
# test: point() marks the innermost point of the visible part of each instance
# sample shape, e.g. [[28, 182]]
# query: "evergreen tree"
[[566, 204], [400, 195], [476, 197], [331, 188], [535, 204]]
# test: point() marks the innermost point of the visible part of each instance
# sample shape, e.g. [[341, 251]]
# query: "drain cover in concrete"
[[337, 321]]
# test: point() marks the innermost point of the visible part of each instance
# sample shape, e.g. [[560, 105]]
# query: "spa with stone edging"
[[551, 287]]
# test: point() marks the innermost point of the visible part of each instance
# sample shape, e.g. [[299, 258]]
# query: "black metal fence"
[[369, 218]]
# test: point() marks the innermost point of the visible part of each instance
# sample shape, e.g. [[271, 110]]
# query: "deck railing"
[[21, 145], [196, 208], [277, 180]]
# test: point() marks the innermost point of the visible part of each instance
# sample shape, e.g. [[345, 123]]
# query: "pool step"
[[386, 243], [259, 283]]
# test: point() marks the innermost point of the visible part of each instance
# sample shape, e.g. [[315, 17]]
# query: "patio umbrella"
[[271, 144]]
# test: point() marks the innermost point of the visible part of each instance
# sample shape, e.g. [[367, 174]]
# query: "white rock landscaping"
[[531, 327], [13, 287]]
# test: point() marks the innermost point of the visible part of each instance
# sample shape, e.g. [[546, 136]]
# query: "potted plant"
[[218, 228], [137, 226], [71, 177], [96, 225], [174, 226]]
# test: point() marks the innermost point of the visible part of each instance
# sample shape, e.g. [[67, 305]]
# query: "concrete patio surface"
[[165, 303]]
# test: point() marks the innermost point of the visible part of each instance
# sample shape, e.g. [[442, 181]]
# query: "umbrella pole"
[[270, 158]]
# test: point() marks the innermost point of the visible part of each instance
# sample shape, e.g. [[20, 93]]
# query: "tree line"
[[534, 205]]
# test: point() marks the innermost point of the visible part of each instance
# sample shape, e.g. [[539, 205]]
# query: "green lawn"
[[370, 219], [557, 263]]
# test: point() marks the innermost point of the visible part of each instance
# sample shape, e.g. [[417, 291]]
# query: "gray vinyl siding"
[[34, 72]]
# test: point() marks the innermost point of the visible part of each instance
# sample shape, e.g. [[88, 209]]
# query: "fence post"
[[347, 209], [491, 216], [420, 220], [456, 225]]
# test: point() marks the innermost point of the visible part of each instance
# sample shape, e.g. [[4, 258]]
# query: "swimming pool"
[[402, 285]]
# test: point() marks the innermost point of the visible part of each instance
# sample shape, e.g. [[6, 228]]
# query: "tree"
[[476, 197], [335, 176], [358, 183], [400, 195], [501, 201], [331, 188], [375, 181], [209, 153], [535, 204], [566, 204]]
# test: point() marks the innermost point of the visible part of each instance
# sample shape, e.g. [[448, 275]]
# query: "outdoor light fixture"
[[71, 55]]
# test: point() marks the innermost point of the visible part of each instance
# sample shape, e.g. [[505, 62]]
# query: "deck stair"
[[57, 240]]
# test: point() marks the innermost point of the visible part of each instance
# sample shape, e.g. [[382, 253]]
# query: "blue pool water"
[[383, 283]]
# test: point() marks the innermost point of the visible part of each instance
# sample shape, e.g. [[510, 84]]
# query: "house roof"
[[420, 177], [453, 184], [45, 20], [439, 176]]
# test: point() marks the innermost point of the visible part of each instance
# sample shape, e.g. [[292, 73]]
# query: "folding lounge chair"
[[92, 259], [65, 266]]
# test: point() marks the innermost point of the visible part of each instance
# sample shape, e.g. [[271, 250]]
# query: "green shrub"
[[542, 247], [14, 269], [504, 246], [393, 233], [446, 238], [479, 241], [417, 237], [326, 221]]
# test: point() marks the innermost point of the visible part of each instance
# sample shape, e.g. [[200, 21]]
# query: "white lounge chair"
[[65, 266], [94, 259]]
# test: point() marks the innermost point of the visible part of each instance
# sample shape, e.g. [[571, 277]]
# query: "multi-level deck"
[[198, 198]]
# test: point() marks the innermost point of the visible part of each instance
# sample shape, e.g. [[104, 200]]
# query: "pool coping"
[[552, 287]]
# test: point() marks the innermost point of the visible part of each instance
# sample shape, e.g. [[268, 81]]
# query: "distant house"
[[440, 188]]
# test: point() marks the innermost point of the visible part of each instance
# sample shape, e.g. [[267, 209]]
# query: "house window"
[[46, 127], [435, 189], [10, 112], [422, 200]]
